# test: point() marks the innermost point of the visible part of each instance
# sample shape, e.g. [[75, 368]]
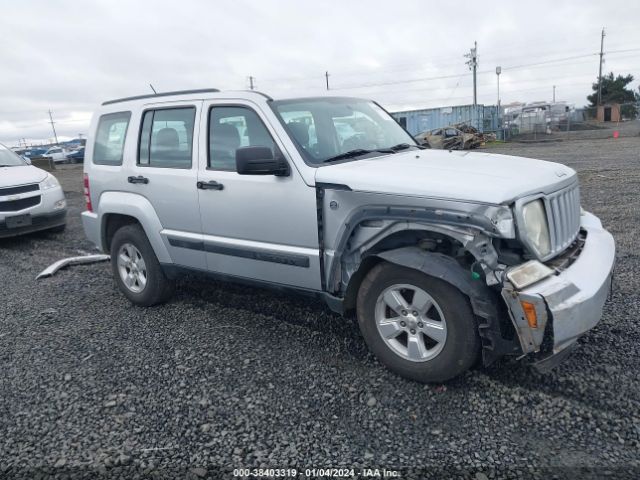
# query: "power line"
[[548, 62], [479, 72], [414, 65], [398, 82], [624, 51], [506, 90]]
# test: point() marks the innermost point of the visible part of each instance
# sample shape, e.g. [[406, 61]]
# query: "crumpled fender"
[[483, 300]]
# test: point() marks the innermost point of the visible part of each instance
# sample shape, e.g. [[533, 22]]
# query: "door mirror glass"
[[260, 161]]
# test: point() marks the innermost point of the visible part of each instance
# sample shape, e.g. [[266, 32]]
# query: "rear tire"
[[430, 335], [136, 268]]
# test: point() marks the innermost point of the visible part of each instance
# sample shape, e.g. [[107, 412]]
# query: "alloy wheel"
[[411, 322]]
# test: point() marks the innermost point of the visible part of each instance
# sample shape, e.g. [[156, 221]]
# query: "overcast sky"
[[68, 56]]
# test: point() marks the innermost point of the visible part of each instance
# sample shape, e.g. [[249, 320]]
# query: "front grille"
[[16, 190], [563, 213], [21, 204]]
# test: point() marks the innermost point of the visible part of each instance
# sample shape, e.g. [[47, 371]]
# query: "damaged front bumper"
[[551, 314]]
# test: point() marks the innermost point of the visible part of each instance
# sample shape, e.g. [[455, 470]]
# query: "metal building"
[[482, 117]]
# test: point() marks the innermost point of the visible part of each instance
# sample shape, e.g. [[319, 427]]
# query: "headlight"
[[536, 227], [49, 182]]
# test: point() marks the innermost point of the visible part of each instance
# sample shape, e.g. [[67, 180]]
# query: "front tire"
[[420, 327], [136, 268]]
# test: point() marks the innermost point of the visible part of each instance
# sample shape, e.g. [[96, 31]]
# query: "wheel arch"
[[117, 209], [111, 223], [484, 302]]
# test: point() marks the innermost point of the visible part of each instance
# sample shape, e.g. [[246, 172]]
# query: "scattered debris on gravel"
[[228, 377]]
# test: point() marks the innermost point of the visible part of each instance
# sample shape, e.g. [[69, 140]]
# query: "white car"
[[57, 154], [444, 257], [30, 198]]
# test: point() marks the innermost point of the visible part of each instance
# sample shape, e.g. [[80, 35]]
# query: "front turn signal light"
[[530, 312]]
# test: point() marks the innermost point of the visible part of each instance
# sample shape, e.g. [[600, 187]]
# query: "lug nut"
[[420, 325], [403, 324], [413, 332], [414, 313], [404, 313]]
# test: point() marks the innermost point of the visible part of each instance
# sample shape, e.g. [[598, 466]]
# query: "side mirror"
[[260, 161]]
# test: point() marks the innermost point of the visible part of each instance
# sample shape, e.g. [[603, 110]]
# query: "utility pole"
[[326, 76], [554, 94], [600, 70], [251, 86], [498, 72], [53, 127], [473, 65]]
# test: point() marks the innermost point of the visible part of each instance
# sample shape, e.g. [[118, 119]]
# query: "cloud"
[[69, 56]]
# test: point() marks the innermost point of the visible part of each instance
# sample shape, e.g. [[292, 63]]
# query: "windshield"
[[9, 158], [324, 128]]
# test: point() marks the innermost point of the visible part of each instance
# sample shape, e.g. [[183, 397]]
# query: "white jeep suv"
[[446, 257]]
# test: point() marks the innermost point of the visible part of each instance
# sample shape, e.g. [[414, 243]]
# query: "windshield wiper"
[[357, 152], [400, 146], [404, 146]]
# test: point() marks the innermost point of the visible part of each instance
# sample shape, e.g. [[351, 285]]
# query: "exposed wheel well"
[[425, 239], [112, 222]]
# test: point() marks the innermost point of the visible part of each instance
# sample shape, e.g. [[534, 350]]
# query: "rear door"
[[165, 172], [260, 227]]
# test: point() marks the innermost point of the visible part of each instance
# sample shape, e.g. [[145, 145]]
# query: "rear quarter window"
[[110, 137]]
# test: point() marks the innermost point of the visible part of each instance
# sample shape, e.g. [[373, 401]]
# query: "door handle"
[[138, 179], [212, 185]]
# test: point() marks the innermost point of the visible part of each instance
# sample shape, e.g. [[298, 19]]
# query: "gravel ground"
[[230, 377]]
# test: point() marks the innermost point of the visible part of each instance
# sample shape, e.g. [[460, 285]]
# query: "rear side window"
[[110, 137], [166, 138]]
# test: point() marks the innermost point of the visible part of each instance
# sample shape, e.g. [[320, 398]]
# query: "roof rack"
[[259, 93], [163, 94]]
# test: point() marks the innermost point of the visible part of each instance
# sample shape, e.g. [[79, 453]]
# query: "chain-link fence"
[[548, 121]]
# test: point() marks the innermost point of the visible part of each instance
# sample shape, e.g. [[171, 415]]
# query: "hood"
[[14, 176], [458, 175]]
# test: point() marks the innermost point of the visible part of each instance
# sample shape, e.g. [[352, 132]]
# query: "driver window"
[[231, 128]]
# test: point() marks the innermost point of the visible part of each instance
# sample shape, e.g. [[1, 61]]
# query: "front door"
[[260, 227]]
